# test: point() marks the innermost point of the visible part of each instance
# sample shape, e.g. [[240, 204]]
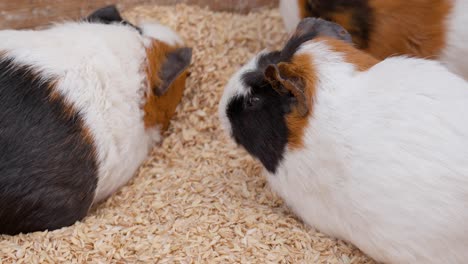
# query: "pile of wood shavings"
[[198, 198]]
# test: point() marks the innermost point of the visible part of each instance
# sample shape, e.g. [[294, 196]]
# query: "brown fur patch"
[[408, 27], [300, 67], [88, 137], [343, 18], [388, 27], [160, 109], [155, 55], [303, 10], [55, 96], [362, 60]]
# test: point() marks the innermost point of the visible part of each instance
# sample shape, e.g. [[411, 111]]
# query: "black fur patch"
[[362, 16], [109, 15], [48, 171], [258, 119]]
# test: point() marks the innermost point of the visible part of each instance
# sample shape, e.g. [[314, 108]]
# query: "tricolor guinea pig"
[[82, 104], [371, 152], [433, 29]]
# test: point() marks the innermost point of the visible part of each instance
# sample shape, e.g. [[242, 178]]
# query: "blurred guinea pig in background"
[[372, 152], [434, 29], [82, 104]]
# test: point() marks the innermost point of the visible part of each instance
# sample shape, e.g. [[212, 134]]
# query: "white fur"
[[100, 73], [385, 162], [290, 11], [455, 53], [161, 33]]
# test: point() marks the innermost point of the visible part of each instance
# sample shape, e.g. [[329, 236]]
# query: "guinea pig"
[[434, 29], [82, 104], [371, 152]]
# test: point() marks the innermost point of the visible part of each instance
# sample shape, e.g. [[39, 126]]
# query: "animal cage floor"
[[198, 198]]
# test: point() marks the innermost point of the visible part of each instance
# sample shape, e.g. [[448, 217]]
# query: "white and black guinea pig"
[[82, 103], [375, 153], [435, 29]]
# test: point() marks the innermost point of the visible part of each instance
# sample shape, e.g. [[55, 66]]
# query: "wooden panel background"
[[32, 13]]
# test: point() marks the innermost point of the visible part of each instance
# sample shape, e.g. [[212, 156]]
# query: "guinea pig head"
[[267, 104], [165, 65]]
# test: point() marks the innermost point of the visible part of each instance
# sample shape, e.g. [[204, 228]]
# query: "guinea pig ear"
[[108, 14], [318, 27], [176, 62], [275, 75], [272, 75]]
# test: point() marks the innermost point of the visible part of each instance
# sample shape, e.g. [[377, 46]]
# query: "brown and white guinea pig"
[[82, 103], [375, 153], [433, 29]]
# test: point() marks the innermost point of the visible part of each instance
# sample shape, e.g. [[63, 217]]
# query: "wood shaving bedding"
[[198, 198]]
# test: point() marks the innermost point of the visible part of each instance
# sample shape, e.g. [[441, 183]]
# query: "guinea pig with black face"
[[371, 152], [82, 104], [434, 29]]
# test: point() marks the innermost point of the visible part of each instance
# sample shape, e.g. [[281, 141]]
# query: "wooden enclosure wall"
[[33, 13]]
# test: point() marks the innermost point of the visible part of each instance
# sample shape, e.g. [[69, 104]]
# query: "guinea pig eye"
[[252, 102]]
